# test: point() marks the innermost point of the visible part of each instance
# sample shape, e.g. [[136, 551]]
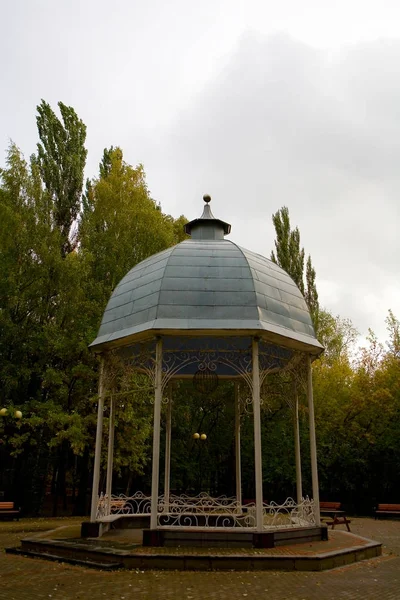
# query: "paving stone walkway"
[[33, 579]]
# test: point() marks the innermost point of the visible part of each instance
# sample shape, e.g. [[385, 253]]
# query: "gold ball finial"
[[207, 198]]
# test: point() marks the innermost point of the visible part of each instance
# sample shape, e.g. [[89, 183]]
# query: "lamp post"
[[198, 436], [7, 414]]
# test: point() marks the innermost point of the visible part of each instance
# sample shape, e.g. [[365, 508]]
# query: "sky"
[[260, 104]]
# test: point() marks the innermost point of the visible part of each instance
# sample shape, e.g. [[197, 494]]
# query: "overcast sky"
[[258, 103]]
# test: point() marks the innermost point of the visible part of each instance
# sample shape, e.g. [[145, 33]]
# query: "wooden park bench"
[[387, 509], [333, 514], [117, 505], [8, 510]]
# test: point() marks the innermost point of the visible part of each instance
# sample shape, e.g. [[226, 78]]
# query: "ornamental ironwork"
[[205, 382], [204, 510]]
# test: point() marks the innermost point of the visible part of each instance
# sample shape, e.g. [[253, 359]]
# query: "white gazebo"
[[207, 309]]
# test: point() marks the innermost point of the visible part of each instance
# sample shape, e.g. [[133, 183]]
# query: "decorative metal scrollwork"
[[205, 381], [205, 511]]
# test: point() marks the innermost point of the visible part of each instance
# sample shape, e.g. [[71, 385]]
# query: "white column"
[[97, 452], [313, 445], [296, 428], [237, 449], [257, 437], [156, 435], [110, 456], [168, 451]]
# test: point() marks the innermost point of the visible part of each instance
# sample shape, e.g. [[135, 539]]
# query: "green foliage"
[[357, 401], [198, 465], [61, 160], [290, 257], [121, 225], [61, 255], [357, 418], [337, 335], [393, 327], [311, 294]]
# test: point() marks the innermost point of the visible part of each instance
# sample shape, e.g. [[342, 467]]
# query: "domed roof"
[[210, 285]]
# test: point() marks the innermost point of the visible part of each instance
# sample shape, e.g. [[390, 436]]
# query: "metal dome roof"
[[209, 286]]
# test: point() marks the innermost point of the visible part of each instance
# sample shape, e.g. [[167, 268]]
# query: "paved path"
[[31, 579]]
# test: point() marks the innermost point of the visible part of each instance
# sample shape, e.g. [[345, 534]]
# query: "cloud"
[[282, 123], [287, 124]]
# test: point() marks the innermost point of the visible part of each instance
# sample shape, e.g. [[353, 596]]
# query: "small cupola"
[[207, 227]]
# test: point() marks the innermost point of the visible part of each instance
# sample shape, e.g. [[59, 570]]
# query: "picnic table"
[[333, 514]]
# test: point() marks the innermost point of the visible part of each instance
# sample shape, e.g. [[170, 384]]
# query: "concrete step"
[[71, 561]]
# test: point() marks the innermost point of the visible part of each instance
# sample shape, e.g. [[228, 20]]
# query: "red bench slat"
[[8, 509], [6, 505], [330, 505]]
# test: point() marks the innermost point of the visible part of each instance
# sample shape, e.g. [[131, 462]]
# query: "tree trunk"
[[81, 504]]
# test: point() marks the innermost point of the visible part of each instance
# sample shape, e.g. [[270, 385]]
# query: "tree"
[[393, 327], [337, 335], [121, 225], [45, 366], [311, 294], [61, 159], [61, 256], [290, 256]]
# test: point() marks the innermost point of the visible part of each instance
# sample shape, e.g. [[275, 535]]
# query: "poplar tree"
[[311, 294], [61, 158], [289, 255]]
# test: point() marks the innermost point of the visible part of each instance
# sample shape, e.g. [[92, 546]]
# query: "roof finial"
[[207, 198]]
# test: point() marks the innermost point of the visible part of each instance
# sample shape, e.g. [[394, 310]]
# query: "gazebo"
[[207, 309]]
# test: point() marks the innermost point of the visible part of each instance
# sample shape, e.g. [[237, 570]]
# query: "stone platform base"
[[118, 552], [232, 538]]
